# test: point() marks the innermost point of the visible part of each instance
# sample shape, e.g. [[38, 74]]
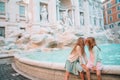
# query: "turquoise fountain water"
[[110, 55]]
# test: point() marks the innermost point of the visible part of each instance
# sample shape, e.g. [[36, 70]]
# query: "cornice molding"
[[21, 2]]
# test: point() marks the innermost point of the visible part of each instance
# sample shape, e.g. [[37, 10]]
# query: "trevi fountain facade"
[[50, 25], [30, 24]]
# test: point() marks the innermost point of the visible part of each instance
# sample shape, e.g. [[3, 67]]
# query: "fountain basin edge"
[[55, 71]]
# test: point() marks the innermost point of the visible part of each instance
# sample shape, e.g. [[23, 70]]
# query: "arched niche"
[[43, 12], [82, 18], [65, 9]]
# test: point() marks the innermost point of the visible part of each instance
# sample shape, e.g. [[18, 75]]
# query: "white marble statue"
[[44, 14], [66, 19]]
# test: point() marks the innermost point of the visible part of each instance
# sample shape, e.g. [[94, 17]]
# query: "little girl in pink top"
[[94, 58]]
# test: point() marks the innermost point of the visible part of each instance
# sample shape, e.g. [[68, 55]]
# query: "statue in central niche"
[[66, 19], [44, 14]]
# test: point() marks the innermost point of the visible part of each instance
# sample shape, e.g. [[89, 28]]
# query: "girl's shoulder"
[[77, 47], [96, 48]]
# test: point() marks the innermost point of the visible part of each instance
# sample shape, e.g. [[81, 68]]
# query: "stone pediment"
[[21, 2]]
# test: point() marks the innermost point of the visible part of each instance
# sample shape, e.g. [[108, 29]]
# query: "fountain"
[[41, 52], [42, 55], [50, 64], [113, 35]]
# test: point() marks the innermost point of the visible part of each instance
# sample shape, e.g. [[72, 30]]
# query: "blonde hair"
[[80, 42], [91, 43]]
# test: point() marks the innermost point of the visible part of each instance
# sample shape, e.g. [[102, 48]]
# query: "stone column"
[[26, 14], [76, 13], [86, 17], [58, 13], [36, 11], [73, 15], [52, 11], [6, 11], [102, 16], [34, 16]]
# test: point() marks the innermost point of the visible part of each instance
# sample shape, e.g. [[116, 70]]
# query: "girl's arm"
[[87, 53], [85, 58], [95, 52], [78, 50], [82, 58]]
